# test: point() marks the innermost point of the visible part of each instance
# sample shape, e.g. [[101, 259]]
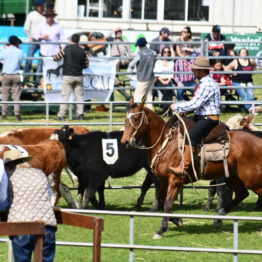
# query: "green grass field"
[[194, 233]]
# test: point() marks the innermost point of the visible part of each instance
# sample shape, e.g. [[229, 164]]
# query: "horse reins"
[[143, 118]]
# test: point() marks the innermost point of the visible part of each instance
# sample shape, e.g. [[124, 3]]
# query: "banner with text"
[[98, 79], [252, 42]]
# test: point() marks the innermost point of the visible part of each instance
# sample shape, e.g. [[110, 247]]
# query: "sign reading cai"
[[98, 79]]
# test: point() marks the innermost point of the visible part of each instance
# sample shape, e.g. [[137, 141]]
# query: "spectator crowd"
[[161, 64]]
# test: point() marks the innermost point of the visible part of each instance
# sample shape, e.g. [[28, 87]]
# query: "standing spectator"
[[47, 32], [245, 80], [186, 36], [144, 62], [164, 34], [164, 76], [184, 80], [215, 36], [75, 60], [28, 192], [11, 83], [119, 50], [33, 20]]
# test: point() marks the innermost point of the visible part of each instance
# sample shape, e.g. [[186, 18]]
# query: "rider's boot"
[[183, 168]]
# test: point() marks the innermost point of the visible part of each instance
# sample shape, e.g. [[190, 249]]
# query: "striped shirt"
[[75, 60], [182, 65], [206, 100]]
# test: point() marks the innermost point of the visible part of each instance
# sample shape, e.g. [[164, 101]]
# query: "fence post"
[[110, 116], [204, 47], [235, 239], [47, 113], [131, 238]]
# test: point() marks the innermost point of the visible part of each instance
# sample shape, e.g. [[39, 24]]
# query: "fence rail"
[[235, 251]]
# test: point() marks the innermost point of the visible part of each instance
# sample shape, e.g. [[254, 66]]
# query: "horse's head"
[[136, 124]]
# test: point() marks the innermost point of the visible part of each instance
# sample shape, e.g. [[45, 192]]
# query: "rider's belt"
[[213, 117]]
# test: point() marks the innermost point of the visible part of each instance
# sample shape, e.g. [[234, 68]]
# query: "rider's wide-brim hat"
[[15, 156], [201, 62]]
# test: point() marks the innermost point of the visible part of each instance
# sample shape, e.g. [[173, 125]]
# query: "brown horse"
[[143, 125]]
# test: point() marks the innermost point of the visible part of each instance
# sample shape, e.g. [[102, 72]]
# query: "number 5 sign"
[[110, 150]]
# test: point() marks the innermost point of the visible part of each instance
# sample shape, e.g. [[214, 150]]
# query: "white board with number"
[[110, 150]]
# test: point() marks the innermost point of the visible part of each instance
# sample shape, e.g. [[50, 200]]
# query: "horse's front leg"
[[174, 187]]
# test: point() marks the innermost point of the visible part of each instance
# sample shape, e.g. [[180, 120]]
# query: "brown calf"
[[48, 156]]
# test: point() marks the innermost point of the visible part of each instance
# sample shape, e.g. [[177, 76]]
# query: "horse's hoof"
[[177, 221], [157, 236]]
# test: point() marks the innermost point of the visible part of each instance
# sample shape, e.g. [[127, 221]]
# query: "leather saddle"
[[213, 147]]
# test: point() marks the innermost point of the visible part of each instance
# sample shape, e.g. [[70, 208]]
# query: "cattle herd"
[[92, 157]]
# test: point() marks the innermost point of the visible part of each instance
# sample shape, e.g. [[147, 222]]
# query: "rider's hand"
[[173, 106]]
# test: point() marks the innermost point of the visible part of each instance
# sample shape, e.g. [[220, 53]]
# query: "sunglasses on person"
[[118, 31], [166, 52]]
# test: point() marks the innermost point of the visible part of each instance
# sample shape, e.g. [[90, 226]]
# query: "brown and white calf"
[[33, 136], [48, 156]]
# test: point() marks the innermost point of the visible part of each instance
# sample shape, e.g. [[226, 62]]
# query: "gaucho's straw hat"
[[201, 62], [15, 156]]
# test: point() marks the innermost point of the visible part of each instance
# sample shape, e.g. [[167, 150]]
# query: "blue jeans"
[[23, 246], [180, 92], [32, 49], [244, 94]]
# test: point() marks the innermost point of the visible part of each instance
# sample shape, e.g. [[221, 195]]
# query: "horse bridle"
[[143, 117]]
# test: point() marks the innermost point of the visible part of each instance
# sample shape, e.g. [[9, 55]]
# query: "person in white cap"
[[29, 199], [206, 106]]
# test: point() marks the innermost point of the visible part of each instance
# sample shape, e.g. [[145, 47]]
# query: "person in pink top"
[[50, 31]]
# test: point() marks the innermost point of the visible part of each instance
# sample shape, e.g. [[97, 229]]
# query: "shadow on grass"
[[206, 227]]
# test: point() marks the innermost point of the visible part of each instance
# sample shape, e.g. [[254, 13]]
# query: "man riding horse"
[[206, 103]]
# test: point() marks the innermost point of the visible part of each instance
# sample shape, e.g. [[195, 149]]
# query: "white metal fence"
[[131, 246]]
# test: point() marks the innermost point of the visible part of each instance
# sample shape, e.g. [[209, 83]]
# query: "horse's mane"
[[147, 110]]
